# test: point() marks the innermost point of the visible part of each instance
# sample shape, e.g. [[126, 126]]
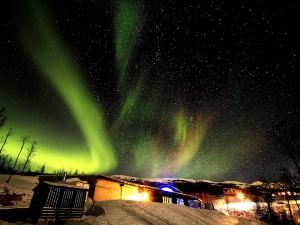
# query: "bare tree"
[[270, 215], [3, 118], [9, 133], [24, 140], [30, 153], [285, 178], [289, 184], [9, 163], [287, 133], [3, 160], [42, 169]]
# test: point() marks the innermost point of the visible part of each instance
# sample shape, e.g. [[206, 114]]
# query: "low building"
[[110, 188], [58, 201]]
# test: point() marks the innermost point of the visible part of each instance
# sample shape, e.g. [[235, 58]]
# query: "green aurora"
[[128, 24], [54, 62], [164, 142]]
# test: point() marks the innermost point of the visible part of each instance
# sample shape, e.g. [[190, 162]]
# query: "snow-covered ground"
[[126, 212], [19, 185], [123, 212], [133, 212]]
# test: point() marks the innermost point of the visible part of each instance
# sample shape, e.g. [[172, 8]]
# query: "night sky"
[[191, 89]]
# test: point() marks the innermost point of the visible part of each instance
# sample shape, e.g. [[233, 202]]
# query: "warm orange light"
[[241, 206], [240, 195], [144, 196]]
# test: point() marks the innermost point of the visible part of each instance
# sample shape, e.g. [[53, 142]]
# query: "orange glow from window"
[[144, 196], [241, 196]]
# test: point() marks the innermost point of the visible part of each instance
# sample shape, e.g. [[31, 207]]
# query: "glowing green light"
[[153, 137], [51, 57], [128, 23], [130, 104], [180, 128], [188, 137]]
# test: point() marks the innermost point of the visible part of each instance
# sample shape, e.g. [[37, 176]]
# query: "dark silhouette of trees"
[[24, 140], [3, 118], [8, 134], [30, 153], [258, 208], [3, 161], [289, 184], [287, 134], [42, 169], [270, 216], [9, 164], [285, 179]]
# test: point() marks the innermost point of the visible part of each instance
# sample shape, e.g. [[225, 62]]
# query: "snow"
[[130, 212], [123, 212], [19, 185]]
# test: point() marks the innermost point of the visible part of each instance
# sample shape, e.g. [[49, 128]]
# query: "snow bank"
[[140, 213]]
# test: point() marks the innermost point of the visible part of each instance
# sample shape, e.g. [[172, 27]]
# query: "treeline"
[[286, 134], [26, 150]]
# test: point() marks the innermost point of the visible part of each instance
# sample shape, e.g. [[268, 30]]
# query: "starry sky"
[[191, 89]]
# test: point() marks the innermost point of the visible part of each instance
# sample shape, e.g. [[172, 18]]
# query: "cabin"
[[110, 188], [58, 201]]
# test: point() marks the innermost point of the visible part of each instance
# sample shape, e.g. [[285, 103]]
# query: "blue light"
[[168, 188]]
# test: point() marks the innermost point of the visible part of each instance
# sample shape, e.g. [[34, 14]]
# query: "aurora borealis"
[[50, 56], [150, 88], [128, 23]]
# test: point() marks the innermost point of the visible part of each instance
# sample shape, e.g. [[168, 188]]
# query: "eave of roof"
[[63, 184], [143, 186]]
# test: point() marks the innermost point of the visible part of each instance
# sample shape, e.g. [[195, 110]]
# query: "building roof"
[[61, 184], [143, 186]]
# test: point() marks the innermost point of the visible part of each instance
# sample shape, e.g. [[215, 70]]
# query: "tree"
[[289, 186], [9, 163], [258, 208], [3, 118], [287, 134], [3, 160], [24, 140], [42, 169], [9, 133], [30, 153], [270, 215]]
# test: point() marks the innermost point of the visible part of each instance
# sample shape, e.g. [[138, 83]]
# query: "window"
[[52, 197], [67, 199], [191, 203], [209, 206], [197, 204], [79, 199], [179, 201], [167, 199]]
